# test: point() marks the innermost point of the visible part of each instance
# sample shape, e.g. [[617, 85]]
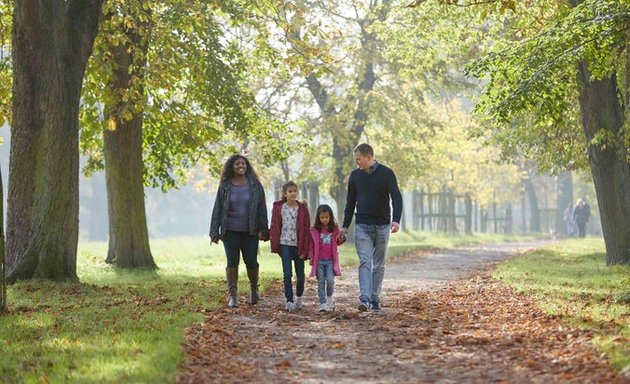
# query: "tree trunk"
[[564, 199], [346, 131], [3, 277], [533, 204], [128, 232], [52, 42], [602, 111]]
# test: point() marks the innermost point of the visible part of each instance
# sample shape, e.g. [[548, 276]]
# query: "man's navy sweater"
[[369, 193]]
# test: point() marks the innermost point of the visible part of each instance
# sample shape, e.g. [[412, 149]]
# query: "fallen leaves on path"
[[474, 330]]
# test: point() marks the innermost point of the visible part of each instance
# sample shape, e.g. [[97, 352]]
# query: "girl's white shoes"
[[290, 307], [328, 306], [330, 302]]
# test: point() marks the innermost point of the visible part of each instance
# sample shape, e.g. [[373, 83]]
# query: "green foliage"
[[570, 279], [6, 75], [529, 103], [193, 93]]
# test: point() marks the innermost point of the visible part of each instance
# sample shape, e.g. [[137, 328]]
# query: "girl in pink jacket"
[[324, 256]]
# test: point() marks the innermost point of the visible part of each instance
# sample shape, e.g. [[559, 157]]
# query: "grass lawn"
[[120, 326], [570, 279]]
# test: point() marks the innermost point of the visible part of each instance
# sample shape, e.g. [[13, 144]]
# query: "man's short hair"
[[364, 149]]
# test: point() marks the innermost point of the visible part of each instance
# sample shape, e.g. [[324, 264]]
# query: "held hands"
[[341, 237], [395, 227], [263, 236]]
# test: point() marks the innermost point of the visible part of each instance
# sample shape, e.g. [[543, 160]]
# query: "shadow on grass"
[[83, 332]]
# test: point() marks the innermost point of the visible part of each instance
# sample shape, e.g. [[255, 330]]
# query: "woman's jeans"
[[289, 253], [371, 244], [325, 279], [236, 243]]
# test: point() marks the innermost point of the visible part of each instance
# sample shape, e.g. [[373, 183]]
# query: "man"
[[370, 188], [581, 214]]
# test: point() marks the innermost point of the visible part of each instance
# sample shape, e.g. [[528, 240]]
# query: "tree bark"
[[602, 111], [52, 42], [124, 173], [534, 222], [3, 278], [564, 199]]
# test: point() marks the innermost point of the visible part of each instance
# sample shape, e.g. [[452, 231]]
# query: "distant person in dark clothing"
[[370, 188], [581, 214]]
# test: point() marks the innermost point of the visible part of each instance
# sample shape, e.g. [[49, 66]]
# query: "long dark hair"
[[286, 186], [228, 168], [318, 224]]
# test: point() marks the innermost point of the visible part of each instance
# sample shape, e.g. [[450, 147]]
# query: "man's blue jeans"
[[289, 253], [371, 244]]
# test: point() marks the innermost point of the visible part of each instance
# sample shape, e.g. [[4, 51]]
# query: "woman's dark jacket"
[[258, 222]]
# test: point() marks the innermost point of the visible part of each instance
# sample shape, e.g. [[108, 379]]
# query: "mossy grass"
[[570, 279]]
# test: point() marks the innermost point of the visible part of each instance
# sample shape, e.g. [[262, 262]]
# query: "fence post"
[[452, 220], [430, 204], [508, 219], [468, 218], [441, 225]]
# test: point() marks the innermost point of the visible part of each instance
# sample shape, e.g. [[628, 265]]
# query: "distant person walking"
[[289, 235], [324, 256], [581, 214], [239, 219], [370, 188]]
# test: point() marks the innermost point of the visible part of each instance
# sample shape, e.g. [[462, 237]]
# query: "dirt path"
[[444, 320]]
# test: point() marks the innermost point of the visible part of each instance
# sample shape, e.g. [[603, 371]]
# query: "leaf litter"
[[439, 324]]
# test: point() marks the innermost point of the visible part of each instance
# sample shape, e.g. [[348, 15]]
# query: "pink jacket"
[[314, 251], [302, 225]]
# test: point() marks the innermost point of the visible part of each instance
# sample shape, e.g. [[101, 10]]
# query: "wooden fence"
[[449, 212]]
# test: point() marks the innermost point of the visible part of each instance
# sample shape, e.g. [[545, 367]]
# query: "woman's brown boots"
[[231, 275], [252, 274]]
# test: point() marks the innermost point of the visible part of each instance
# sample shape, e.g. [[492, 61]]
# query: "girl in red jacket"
[[289, 237], [324, 256]]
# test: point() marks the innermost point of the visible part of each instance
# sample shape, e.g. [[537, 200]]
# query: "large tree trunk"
[[347, 126], [128, 233], [3, 277], [534, 219], [564, 199], [52, 42], [342, 156], [601, 110]]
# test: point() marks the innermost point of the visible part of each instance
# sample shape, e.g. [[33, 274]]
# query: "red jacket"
[[303, 224]]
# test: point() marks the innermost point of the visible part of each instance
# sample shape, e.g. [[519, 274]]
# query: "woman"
[[239, 219]]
